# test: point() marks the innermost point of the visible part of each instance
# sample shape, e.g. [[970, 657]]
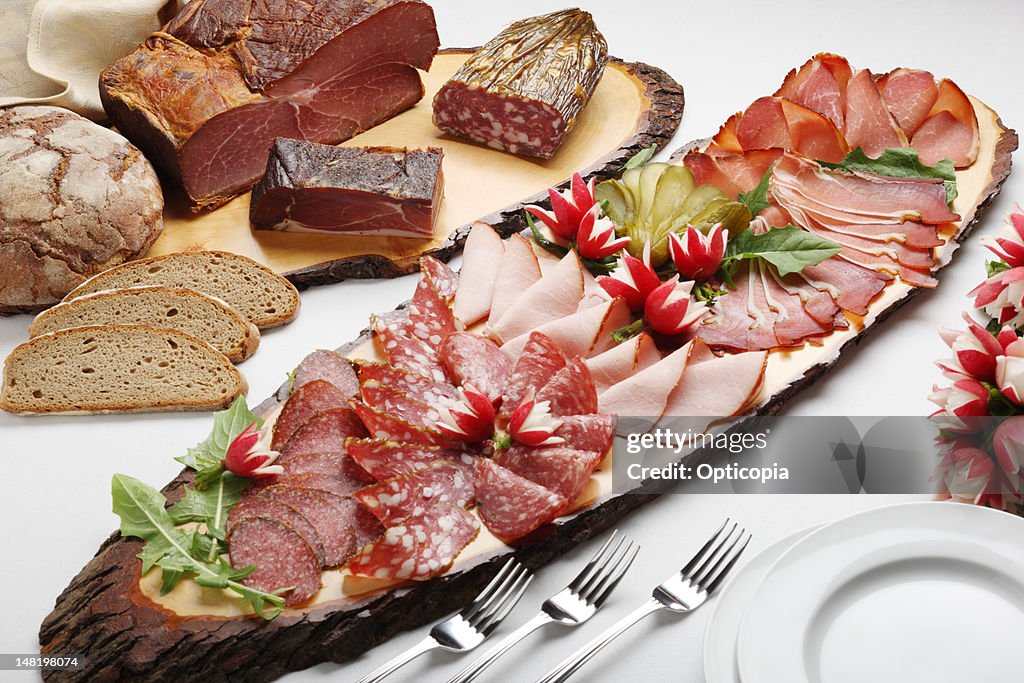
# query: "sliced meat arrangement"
[[524, 90], [375, 191], [206, 98]]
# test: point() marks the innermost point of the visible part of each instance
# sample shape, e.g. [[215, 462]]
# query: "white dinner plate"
[[902, 594], [727, 613]]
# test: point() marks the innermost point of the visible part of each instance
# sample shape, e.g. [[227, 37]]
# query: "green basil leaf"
[[899, 163], [789, 249], [757, 199]]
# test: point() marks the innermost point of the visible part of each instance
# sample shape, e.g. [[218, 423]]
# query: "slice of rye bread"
[[116, 369], [187, 310], [252, 289]]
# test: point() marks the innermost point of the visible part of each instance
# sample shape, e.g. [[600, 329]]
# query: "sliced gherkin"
[[650, 202]]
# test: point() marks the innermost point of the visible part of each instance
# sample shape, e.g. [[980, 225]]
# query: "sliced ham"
[[820, 85], [615, 364], [646, 393], [576, 334], [555, 295], [763, 125], [777, 122], [484, 248], [516, 272], [719, 387], [909, 94], [731, 173], [648, 353], [951, 129], [853, 287], [725, 140], [869, 125]]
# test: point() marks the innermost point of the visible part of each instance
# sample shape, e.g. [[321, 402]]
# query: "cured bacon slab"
[[484, 248], [206, 99]]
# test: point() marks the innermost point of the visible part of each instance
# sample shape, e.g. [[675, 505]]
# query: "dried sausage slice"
[[562, 470], [415, 386], [262, 506], [430, 314], [329, 366], [409, 353], [334, 530], [587, 432], [571, 391], [282, 558], [384, 426], [408, 496], [512, 506], [475, 360], [444, 279], [308, 400], [398, 404], [385, 459], [324, 432], [539, 361]]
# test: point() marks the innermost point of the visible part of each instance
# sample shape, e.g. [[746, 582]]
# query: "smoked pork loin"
[[381, 191], [206, 97]]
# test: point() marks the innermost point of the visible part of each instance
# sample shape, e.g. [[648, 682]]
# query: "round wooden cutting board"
[[634, 106]]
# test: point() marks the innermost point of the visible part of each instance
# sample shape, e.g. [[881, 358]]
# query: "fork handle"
[[568, 667], [486, 659], [425, 645]]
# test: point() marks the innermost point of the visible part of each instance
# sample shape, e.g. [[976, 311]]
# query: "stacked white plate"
[[920, 592]]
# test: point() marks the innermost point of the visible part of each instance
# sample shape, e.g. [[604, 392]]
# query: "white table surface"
[[56, 471]]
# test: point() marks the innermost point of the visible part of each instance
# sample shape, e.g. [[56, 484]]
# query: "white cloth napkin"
[[68, 43]]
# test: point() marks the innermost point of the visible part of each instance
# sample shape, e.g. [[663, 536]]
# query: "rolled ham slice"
[[516, 272], [555, 295], [484, 248]]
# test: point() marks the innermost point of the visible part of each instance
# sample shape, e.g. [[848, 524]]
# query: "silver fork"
[[571, 606], [680, 593], [471, 626]]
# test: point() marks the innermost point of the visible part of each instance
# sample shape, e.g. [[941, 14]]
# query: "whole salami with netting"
[[524, 90]]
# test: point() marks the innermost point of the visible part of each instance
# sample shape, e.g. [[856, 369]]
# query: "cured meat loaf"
[[206, 99], [381, 191], [524, 90]]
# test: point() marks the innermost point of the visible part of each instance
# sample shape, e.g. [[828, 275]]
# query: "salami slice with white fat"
[[250, 507], [512, 506], [384, 426], [587, 432], [324, 432], [334, 530], [571, 391], [415, 386], [409, 495], [444, 279], [329, 366], [308, 400], [400, 405], [409, 353], [430, 314], [386, 459], [562, 470], [282, 557], [418, 549], [471, 359], [338, 484], [538, 362]]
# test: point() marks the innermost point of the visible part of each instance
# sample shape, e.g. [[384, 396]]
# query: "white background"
[[55, 473]]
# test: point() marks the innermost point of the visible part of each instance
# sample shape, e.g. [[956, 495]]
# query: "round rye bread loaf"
[[75, 199]]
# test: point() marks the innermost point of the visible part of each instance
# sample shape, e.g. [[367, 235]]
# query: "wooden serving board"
[[111, 614], [634, 106]]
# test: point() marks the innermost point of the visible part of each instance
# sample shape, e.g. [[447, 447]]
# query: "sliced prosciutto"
[[910, 95], [951, 129], [418, 549], [732, 173], [510, 505], [484, 248], [820, 85], [555, 295], [869, 125], [771, 122]]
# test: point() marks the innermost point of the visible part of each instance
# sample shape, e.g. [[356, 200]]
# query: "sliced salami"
[[430, 314], [472, 359], [418, 549], [410, 354], [571, 391], [282, 557], [512, 506], [385, 459], [308, 400], [367, 527], [330, 463], [262, 506], [408, 496], [384, 426], [538, 363], [398, 404], [587, 432], [329, 366], [338, 484], [444, 279], [415, 386], [562, 470], [334, 530], [324, 432], [397, 321]]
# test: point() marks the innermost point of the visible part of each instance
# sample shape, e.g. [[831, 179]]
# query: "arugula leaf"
[[143, 512], [210, 506], [789, 249], [899, 163], [757, 199], [640, 158], [205, 457]]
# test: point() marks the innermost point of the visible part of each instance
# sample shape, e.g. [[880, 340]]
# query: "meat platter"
[[635, 106], [130, 630]]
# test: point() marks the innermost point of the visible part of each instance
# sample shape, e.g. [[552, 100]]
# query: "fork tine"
[[599, 570], [607, 568], [612, 580], [597, 557], [713, 554], [697, 558], [510, 601], [713, 562], [495, 600], [728, 567], [488, 592]]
